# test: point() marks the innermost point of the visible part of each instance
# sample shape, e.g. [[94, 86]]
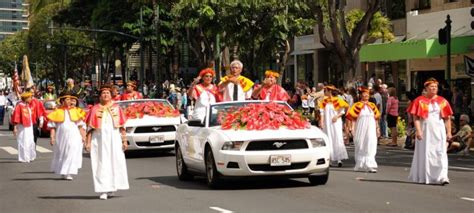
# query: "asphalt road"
[[154, 187]]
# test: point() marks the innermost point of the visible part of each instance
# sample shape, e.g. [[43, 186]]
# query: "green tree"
[[349, 32]]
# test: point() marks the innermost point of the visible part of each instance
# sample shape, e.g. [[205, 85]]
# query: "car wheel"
[[212, 176], [181, 168], [318, 180]]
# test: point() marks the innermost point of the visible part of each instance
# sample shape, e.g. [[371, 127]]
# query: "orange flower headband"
[[330, 87], [364, 90], [271, 73], [207, 71], [105, 87], [26, 95], [132, 83], [430, 81]]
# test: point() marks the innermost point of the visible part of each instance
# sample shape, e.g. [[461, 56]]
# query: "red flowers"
[[262, 116], [138, 110]]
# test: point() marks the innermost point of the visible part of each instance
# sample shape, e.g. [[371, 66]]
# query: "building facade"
[[13, 17]]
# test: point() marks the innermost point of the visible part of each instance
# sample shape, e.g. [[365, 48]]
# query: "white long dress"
[[365, 141], [205, 99], [430, 160], [334, 133], [67, 157], [26, 143], [109, 168]]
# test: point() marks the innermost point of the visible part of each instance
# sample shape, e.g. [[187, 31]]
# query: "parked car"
[[151, 124], [216, 150]]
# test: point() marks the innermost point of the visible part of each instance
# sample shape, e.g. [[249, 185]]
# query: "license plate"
[[280, 160], [157, 139]]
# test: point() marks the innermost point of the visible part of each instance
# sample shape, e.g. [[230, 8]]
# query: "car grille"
[[276, 145], [267, 167], [154, 144], [149, 129]]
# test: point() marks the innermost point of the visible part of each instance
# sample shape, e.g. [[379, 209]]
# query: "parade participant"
[[115, 94], [106, 141], [433, 128], [270, 90], [67, 136], [203, 93], [72, 88], [131, 93], [234, 86], [49, 94], [22, 119], [38, 112], [363, 116], [332, 109]]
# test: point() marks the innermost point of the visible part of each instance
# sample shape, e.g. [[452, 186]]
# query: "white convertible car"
[[151, 124], [210, 148]]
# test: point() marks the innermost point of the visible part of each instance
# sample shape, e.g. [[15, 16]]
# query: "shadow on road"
[[72, 197], [35, 179], [387, 181], [147, 153], [199, 183], [38, 172]]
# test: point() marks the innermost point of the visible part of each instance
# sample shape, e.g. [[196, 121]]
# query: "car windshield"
[[49, 105], [215, 110], [125, 104]]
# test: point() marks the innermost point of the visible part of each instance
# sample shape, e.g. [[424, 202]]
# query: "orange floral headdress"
[[363, 89], [132, 83], [271, 73], [105, 87], [26, 95], [330, 87], [207, 71], [430, 81]]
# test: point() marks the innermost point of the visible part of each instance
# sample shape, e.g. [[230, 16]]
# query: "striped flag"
[[16, 81]]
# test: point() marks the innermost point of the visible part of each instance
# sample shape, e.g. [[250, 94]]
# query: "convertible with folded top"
[[151, 124], [251, 138]]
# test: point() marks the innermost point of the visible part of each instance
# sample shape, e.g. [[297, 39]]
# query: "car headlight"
[[232, 145], [317, 142], [129, 129]]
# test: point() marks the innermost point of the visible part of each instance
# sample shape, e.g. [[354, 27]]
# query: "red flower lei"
[[138, 110], [261, 117]]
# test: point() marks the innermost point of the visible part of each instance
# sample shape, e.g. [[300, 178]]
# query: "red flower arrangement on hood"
[[138, 110], [262, 116]]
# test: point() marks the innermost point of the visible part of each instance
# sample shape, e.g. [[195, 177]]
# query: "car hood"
[[282, 133], [153, 120]]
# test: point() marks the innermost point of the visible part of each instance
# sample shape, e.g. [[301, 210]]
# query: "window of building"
[[394, 9]]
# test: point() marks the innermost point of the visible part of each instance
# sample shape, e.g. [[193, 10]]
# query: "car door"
[[191, 145]]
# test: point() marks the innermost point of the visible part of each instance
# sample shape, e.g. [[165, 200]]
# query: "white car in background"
[[146, 131], [205, 148]]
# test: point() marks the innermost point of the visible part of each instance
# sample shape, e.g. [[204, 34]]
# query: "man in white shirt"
[[234, 86]]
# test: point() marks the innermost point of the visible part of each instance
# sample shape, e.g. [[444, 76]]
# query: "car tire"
[[319, 179], [181, 167], [212, 175]]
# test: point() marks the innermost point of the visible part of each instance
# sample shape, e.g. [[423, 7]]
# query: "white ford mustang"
[[211, 149], [151, 124]]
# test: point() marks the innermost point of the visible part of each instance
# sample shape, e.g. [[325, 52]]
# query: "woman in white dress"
[[107, 141], [22, 120], [67, 136], [332, 108], [431, 115], [363, 117], [204, 93]]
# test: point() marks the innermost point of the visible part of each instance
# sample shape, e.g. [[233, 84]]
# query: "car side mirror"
[[195, 122]]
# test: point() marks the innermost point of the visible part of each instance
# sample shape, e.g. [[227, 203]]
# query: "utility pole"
[[448, 48]]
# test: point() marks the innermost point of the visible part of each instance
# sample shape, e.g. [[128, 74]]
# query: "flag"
[[469, 63], [16, 81], [26, 77]]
